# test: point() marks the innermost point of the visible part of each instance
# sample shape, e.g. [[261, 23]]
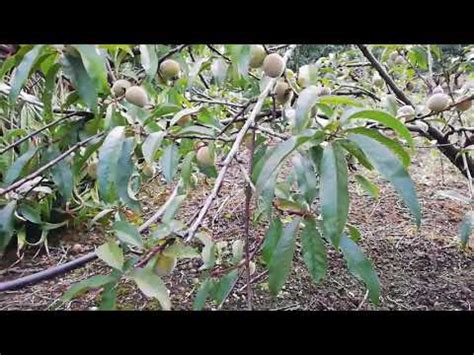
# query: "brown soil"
[[418, 270]]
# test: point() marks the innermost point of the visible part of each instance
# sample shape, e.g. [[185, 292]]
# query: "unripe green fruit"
[[183, 120], [323, 91], [438, 102], [438, 90], [257, 55], [378, 81], [137, 96], [406, 112], [238, 125], [464, 106], [92, 170], [399, 60], [148, 170], [120, 87], [248, 141], [273, 65], [282, 92], [393, 56], [165, 265], [203, 156], [169, 69], [289, 74], [252, 267]]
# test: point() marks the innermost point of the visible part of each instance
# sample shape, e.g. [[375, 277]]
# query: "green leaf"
[[224, 286], [16, 169], [314, 250], [169, 162], [306, 177], [338, 100], [172, 208], [240, 57], [361, 267], [202, 294], [354, 232], [272, 237], [316, 154], [111, 254], [208, 253], [150, 145], [108, 300], [149, 59], [193, 73], [6, 224], [165, 229], [368, 186], [187, 169], [62, 177], [30, 213], [127, 233], [93, 282], [151, 286], [23, 71], [125, 167], [163, 110], [392, 144], [182, 113], [95, 65], [418, 57], [305, 102], [181, 251], [282, 256], [109, 155], [48, 91], [384, 118], [75, 70], [391, 169], [356, 152], [194, 129], [333, 192], [271, 162], [465, 229], [219, 70]]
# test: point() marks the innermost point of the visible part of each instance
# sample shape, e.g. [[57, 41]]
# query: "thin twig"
[[248, 198], [49, 125], [48, 165]]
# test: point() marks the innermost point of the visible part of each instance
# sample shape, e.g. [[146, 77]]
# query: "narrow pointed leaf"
[[109, 155], [333, 193], [127, 233], [391, 169], [6, 224], [314, 250], [16, 169], [272, 237], [391, 144], [361, 267], [169, 162], [282, 256], [23, 71], [111, 254], [94, 64], [386, 119], [152, 286]]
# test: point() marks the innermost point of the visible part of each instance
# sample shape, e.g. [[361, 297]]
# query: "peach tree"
[[85, 127]]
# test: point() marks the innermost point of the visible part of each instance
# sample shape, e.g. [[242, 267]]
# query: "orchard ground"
[[418, 270]]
